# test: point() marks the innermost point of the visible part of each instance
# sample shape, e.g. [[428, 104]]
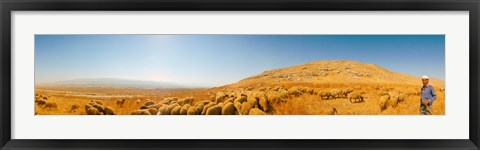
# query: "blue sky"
[[213, 60]]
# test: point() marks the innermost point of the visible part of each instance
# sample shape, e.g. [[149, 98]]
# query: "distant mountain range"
[[114, 82]]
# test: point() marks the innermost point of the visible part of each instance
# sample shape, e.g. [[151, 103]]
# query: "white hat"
[[424, 77]]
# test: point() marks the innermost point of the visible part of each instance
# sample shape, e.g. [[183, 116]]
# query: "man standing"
[[428, 95]]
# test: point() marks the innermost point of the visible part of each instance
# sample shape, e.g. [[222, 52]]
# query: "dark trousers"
[[425, 110]]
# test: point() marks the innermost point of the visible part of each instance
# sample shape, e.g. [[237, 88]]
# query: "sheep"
[[87, 106], [120, 103], [309, 90], [231, 99], [220, 104], [168, 100], [228, 109], [214, 110], [273, 98], [93, 111], [245, 108], [220, 97], [152, 110], [164, 102], [283, 94], [163, 110], [176, 110], [138, 101], [141, 112], [108, 110], [169, 109], [263, 103], [346, 91], [192, 111], [184, 109], [99, 102], [256, 111], [356, 96], [40, 102], [50, 105], [325, 95], [212, 98], [295, 91], [383, 102], [204, 102], [241, 99], [198, 111], [333, 111], [74, 108], [238, 107], [200, 107], [393, 100], [335, 93], [156, 106], [317, 91], [253, 101], [174, 103], [148, 103], [99, 107], [187, 100], [204, 111]]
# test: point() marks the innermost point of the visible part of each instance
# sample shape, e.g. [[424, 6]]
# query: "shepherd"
[[428, 95]]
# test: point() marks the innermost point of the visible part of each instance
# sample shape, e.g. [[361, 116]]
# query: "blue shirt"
[[428, 93]]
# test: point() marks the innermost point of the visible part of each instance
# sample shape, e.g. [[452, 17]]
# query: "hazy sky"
[[213, 60]]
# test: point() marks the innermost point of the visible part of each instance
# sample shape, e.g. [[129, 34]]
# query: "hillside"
[[333, 72]]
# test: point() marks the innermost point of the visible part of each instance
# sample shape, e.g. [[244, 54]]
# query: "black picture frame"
[[7, 6]]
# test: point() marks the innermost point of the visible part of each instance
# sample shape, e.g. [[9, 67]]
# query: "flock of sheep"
[[244, 101], [42, 101], [241, 102], [391, 97]]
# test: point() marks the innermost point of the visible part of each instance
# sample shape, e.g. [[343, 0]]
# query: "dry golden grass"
[[313, 105], [306, 104], [65, 97]]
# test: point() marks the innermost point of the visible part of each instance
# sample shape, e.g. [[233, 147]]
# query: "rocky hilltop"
[[335, 71]]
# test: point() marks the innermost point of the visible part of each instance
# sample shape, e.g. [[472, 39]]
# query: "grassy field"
[[304, 104]]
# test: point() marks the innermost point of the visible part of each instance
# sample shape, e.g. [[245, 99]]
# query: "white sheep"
[[228, 109], [108, 110], [162, 110], [204, 111], [356, 96], [50, 105], [383, 102], [176, 110], [214, 110], [256, 111], [192, 111], [93, 111], [184, 109]]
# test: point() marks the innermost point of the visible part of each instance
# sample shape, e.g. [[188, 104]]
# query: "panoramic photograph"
[[203, 74]]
